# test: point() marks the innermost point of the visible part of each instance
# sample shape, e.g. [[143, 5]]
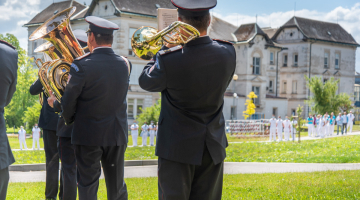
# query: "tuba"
[[147, 41], [62, 48]]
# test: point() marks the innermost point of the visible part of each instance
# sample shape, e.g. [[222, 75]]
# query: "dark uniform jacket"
[[95, 99], [8, 78], [48, 118], [192, 82], [62, 130]]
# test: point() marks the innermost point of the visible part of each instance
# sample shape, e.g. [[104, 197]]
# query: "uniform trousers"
[[52, 164], [293, 131], [279, 132], [88, 164], [144, 137], [4, 181], [36, 140], [152, 137], [272, 134], [22, 142], [134, 138], [332, 129], [321, 131], [350, 126], [286, 134], [314, 132], [68, 168], [179, 181], [310, 129]]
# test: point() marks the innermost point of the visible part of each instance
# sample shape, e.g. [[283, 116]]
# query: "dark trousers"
[[88, 164], [344, 129], [179, 181], [4, 181], [68, 181], [52, 164]]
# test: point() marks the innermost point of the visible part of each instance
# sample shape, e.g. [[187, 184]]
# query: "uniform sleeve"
[[72, 92], [153, 77], [36, 88], [57, 107]]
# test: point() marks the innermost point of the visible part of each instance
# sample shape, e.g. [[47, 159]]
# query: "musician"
[[192, 79], [48, 122], [95, 101], [66, 150], [8, 80]]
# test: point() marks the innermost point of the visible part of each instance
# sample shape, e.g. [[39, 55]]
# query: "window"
[[326, 60], [296, 58], [256, 65], [271, 86], [285, 60], [256, 90], [274, 111], [233, 113], [271, 58], [293, 112], [135, 107], [131, 33], [337, 61], [135, 73], [294, 87], [325, 80], [284, 87], [357, 93]]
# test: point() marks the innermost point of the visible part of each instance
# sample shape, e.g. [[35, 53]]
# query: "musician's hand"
[[51, 99], [168, 45]]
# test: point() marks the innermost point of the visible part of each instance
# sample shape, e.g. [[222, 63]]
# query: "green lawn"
[[316, 185], [14, 143]]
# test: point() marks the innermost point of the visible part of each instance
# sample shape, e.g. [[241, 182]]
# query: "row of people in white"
[[279, 126], [35, 135], [146, 131]]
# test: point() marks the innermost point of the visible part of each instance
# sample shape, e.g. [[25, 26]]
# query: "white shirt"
[[134, 132], [279, 124], [144, 128], [272, 122], [287, 124], [152, 126], [350, 117], [22, 133], [294, 123], [36, 132]]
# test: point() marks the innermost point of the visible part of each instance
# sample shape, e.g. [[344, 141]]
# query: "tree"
[[324, 98], [250, 106], [31, 116], [150, 114], [22, 99]]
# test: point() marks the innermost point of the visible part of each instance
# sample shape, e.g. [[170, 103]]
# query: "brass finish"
[[147, 41], [63, 50]]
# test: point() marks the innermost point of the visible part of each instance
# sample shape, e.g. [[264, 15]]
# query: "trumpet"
[[65, 48], [147, 41]]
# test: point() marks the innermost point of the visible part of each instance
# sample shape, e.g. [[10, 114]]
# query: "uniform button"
[[112, 165]]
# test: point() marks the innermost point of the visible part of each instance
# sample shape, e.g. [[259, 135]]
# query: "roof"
[[247, 32], [220, 29], [319, 30], [59, 6], [270, 31]]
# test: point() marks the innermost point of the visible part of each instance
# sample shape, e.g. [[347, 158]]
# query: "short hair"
[[103, 39], [201, 23]]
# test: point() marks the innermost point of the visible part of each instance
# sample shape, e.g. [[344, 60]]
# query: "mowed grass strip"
[[317, 185]]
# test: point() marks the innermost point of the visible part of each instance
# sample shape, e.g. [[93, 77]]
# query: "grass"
[[14, 143], [315, 185]]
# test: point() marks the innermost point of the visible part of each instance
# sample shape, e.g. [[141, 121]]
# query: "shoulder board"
[[223, 41], [83, 56], [4, 42], [127, 63], [172, 49]]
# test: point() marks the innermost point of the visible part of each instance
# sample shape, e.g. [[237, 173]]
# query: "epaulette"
[[83, 56], [172, 49], [4, 42], [224, 41]]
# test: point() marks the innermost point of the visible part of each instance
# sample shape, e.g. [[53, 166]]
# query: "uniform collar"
[[103, 50], [200, 40]]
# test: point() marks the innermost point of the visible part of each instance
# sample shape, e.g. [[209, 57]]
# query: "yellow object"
[[250, 106]]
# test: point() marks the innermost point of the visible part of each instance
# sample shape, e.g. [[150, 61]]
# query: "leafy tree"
[[149, 114], [250, 106], [22, 99], [31, 116], [324, 98]]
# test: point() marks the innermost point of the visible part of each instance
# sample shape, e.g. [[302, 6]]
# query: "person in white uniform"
[[287, 128], [134, 133], [36, 136], [144, 133], [332, 124], [310, 124], [22, 138], [152, 130], [318, 125], [272, 122], [279, 126], [322, 124], [293, 129], [327, 124], [350, 124]]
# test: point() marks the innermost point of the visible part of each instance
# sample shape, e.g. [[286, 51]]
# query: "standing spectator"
[[318, 126], [351, 119], [327, 124], [293, 129], [22, 138], [314, 126], [322, 125], [134, 133], [287, 128], [272, 122], [36, 136], [152, 130], [345, 121], [279, 125], [339, 123], [331, 123], [144, 133], [310, 122]]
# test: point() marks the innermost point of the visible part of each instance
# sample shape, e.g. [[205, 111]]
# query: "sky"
[[270, 13]]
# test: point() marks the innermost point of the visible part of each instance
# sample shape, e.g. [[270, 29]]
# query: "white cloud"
[[348, 18], [14, 9]]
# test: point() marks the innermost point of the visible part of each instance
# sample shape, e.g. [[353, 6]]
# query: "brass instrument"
[[147, 41], [65, 48]]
